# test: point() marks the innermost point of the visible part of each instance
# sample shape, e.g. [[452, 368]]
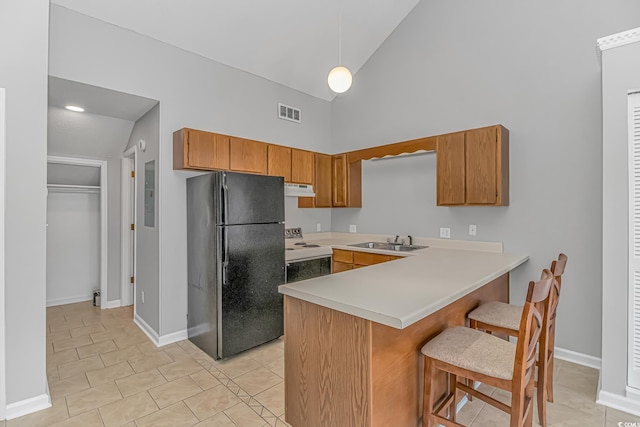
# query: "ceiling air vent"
[[289, 113]]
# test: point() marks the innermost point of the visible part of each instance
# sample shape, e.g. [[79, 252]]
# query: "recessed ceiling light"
[[74, 108]]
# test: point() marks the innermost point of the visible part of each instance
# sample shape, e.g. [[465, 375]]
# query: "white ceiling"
[[291, 42]]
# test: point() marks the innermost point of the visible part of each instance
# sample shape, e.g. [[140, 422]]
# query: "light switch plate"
[[472, 230], [352, 228]]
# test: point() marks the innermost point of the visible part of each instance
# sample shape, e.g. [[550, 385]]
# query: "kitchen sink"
[[388, 246]]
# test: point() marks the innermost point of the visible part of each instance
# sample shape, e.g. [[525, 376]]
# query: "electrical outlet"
[[445, 233], [472, 230], [142, 296], [352, 228], [318, 227]]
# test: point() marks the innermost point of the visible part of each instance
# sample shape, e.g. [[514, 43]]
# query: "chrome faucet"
[[410, 240], [395, 241]]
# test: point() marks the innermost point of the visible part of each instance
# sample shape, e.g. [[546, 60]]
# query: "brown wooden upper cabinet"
[[279, 161], [321, 184], [346, 181], [301, 166], [195, 149], [473, 167], [248, 156]]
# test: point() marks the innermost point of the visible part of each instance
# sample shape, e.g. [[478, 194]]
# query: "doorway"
[[81, 230]]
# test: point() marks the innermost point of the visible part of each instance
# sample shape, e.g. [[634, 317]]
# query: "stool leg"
[[551, 357], [427, 409]]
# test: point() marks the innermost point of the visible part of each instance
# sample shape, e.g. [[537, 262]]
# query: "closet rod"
[[63, 188]]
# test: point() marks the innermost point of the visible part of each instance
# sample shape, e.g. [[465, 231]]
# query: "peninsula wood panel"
[[450, 165], [248, 156], [301, 166], [398, 365], [375, 371], [279, 161], [330, 363]]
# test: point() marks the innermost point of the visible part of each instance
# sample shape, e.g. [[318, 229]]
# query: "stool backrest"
[[531, 326], [558, 266]]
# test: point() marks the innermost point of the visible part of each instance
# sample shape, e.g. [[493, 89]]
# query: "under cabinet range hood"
[[298, 190]]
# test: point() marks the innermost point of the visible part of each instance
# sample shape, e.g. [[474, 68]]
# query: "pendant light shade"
[[340, 79]]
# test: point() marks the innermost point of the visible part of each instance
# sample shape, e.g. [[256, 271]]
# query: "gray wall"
[[620, 73], [147, 251], [531, 66], [23, 72], [193, 92], [305, 218]]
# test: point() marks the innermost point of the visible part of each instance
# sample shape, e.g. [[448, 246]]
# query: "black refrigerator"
[[235, 254]]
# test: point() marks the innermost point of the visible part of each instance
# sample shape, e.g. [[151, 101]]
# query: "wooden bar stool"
[[500, 317], [472, 354]]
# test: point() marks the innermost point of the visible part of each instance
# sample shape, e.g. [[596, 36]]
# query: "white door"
[[127, 290], [633, 340]]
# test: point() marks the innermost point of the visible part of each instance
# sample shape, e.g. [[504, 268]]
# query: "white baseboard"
[[148, 330], [68, 300], [159, 341], [173, 337], [621, 403], [578, 358], [114, 304], [27, 406]]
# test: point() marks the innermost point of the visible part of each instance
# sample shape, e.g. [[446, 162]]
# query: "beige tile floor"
[[103, 371]]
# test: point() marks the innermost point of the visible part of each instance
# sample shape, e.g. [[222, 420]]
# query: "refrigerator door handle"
[[224, 256], [224, 191]]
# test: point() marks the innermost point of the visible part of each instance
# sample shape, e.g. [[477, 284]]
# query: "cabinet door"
[[366, 258], [340, 266], [301, 166], [279, 162], [248, 156], [343, 256], [322, 183], [339, 180], [451, 169], [481, 166], [195, 149]]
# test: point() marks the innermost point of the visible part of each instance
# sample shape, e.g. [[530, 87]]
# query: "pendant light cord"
[[340, 38]]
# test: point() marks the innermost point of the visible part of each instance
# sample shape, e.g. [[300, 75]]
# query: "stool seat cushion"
[[498, 314], [473, 350]]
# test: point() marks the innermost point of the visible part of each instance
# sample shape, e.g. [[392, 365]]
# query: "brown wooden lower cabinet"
[[342, 370], [347, 260]]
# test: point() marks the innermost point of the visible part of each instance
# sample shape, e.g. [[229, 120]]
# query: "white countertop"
[[401, 292]]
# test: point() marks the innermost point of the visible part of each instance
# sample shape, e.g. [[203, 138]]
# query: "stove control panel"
[[293, 233]]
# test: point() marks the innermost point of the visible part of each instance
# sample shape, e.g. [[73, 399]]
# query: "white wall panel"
[[73, 246]]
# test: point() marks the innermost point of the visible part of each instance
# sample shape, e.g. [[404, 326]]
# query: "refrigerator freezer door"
[[250, 309], [248, 199]]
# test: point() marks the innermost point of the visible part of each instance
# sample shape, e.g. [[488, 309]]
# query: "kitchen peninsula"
[[353, 339]]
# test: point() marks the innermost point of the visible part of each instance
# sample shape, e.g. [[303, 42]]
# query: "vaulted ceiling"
[[291, 42]]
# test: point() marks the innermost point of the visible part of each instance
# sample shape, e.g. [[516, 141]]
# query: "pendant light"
[[340, 77]]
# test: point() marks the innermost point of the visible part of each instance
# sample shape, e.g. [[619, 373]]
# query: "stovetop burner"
[[311, 246]]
